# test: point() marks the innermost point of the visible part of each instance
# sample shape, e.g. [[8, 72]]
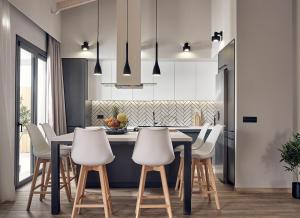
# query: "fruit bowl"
[[116, 124]]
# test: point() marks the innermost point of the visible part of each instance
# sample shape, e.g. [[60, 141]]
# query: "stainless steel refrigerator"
[[225, 114]]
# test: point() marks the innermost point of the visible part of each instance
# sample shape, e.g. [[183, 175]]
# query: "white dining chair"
[[42, 154], [196, 145], [91, 150], [202, 158], [153, 150], [50, 134]]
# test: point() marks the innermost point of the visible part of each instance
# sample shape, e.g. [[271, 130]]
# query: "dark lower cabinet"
[[78, 108]]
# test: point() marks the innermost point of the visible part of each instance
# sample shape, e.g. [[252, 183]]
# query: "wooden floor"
[[233, 205]]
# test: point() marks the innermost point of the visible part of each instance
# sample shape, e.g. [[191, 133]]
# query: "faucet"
[[153, 117]]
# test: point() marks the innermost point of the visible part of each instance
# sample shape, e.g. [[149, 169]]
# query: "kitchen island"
[[122, 170]]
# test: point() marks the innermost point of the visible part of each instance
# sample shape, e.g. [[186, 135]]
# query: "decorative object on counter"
[[156, 69], [117, 123], [98, 70], [198, 118], [168, 113], [127, 70], [290, 154]]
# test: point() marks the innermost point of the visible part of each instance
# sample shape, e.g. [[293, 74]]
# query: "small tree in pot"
[[290, 154]]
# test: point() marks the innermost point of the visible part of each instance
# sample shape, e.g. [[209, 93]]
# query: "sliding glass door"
[[31, 104]]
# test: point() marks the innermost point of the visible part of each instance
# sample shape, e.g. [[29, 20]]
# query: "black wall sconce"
[[186, 47], [85, 46], [217, 37]]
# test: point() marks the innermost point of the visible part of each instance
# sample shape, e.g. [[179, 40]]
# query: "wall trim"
[[263, 190]]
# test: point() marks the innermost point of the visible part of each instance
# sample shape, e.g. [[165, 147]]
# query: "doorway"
[[31, 104]]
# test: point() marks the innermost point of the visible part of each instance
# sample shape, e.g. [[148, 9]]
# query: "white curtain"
[[7, 99]]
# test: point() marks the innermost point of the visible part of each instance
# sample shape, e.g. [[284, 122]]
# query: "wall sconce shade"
[[217, 37], [186, 47], [85, 46]]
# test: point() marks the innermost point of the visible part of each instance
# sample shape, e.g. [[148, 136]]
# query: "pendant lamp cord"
[[156, 21], [98, 22], [127, 21]]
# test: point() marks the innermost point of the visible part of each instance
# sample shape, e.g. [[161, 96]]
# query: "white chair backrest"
[[91, 147], [209, 146], [49, 132], [153, 147], [200, 139], [39, 144]]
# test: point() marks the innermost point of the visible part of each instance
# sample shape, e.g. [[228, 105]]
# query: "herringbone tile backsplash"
[[172, 113]]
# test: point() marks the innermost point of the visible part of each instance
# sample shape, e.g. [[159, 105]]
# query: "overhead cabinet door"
[[206, 80], [185, 80]]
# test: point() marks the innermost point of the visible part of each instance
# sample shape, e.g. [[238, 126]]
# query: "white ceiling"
[[61, 5]]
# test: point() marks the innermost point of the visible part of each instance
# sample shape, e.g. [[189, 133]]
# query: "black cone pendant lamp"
[[127, 70], [156, 69], [98, 70]]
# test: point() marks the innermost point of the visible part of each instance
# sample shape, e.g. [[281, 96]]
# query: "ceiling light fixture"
[[217, 37], [127, 70], [85, 46], [98, 70], [186, 47], [156, 69]]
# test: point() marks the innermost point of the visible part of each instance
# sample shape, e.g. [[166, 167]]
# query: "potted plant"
[[290, 154]]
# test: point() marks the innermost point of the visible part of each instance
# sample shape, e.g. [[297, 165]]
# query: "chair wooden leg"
[[180, 194], [104, 189], [35, 175], [200, 174], [66, 185], [193, 173], [68, 173], [213, 182], [207, 181], [43, 180], [166, 190], [108, 191], [47, 179], [82, 194], [78, 191], [141, 191], [178, 179]]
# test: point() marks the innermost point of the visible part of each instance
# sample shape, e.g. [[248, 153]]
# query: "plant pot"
[[296, 190]]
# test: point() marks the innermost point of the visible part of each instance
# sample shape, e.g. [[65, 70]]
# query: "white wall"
[[179, 21], [265, 88], [39, 11], [223, 18], [297, 56]]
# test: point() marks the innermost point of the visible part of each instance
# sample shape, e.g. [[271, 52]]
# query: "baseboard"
[[263, 190]]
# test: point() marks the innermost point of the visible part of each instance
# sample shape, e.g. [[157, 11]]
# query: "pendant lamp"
[[127, 70], [156, 69], [98, 70]]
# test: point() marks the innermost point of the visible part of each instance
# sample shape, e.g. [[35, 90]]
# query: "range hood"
[[134, 43]]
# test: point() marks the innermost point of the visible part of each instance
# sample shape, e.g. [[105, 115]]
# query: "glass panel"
[[42, 92], [25, 113]]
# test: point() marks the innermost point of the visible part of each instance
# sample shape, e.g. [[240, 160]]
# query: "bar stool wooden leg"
[[165, 190], [213, 182], [43, 180], [141, 191], [47, 179], [104, 191], [35, 175], [207, 181], [180, 194], [66, 185], [68, 172], [193, 172], [82, 193], [200, 175], [78, 192], [178, 179], [108, 191]]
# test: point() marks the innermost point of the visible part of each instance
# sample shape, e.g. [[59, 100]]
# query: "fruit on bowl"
[[118, 122]]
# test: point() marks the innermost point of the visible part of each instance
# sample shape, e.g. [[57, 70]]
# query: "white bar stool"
[[153, 150], [196, 145], [202, 158], [42, 153], [50, 134], [91, 149]]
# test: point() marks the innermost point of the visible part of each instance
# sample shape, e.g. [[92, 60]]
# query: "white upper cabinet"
[[164, 88], [96, 89], [206, 80], [146, 93], [185, 80]]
